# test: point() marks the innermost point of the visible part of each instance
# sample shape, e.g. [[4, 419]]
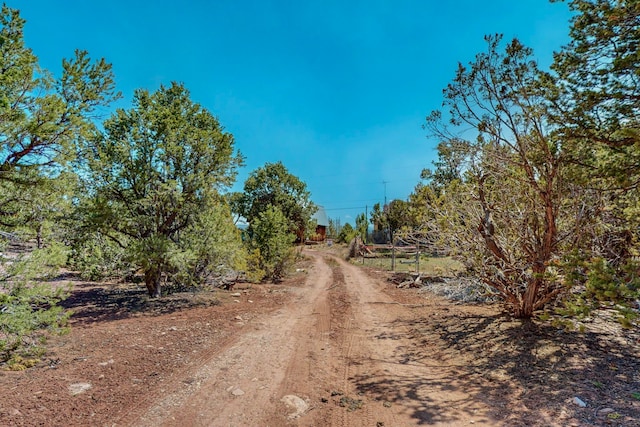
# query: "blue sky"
[[336, 90]]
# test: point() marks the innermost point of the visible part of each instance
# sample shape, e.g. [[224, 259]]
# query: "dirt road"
[[335, 345], [337, 356]]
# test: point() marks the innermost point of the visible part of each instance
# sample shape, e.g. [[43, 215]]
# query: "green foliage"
[[362, 226], [380, 222], [96, 257], [153, 175], [393, 217], [271, 243], [602, 285], [212, 246], [347, 234], [598, 73], [28, 306], [502, 212], [594, 104], [334, 228], [273, 185], [255, 272], [42, 117]]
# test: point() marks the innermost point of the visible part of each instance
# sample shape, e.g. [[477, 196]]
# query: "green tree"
[[362, 227], [598, 76], [41, 120], [423, 204], [400, 217], [212, 246], [391, 218], [334, 228], [153, 175], [272, 242], [513, 215], [448, 167], [378, 218], [273, 185], [347, 233], [44, 208], [595, 105], [29, 309]]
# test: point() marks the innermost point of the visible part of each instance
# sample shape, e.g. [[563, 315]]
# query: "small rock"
[[78, 388], [173, 328], [16, 413], [108, 362], [250, 301], [579, 402], [387, 404], [237, 294], [296, 403], [238, 318], [237, 392]]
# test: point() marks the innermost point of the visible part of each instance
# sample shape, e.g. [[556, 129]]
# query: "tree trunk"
[[152, 279], [39, 236], [527, 304]]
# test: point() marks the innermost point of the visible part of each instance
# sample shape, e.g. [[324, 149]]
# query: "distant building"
[[322, 223]]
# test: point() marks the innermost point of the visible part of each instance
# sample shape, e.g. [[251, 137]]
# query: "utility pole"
[[385, 210], [385, 192], [366, 221]]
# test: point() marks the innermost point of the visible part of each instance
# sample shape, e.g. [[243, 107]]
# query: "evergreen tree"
[[153, 175], [273, 185]]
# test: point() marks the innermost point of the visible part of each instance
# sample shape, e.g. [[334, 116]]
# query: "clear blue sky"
[[336, 90]]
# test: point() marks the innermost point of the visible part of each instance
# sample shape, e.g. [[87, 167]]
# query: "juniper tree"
[[154, 173]]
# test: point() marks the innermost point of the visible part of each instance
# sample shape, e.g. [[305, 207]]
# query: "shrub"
[[28, 306], [271, 243]]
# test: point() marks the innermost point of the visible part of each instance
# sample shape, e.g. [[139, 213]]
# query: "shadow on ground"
[[527, 373], [93, 303]]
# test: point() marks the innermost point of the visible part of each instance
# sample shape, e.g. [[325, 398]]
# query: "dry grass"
[[431, 266]]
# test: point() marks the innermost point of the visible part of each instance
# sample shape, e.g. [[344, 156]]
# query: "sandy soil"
[[335, 345]]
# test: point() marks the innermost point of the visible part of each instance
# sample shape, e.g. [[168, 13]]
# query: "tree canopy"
[[154, 172], [536, 183], [509, 202], [273, 185], [42, 118]]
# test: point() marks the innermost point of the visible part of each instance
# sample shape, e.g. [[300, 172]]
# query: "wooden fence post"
[[393, 257]]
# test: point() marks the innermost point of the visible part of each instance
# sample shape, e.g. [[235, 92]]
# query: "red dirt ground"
[[339, 343]]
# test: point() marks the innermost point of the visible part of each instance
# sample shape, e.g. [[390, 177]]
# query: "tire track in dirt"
[[398, 384], [309, 367], [342, 345], [357, 351], [242, 385]]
